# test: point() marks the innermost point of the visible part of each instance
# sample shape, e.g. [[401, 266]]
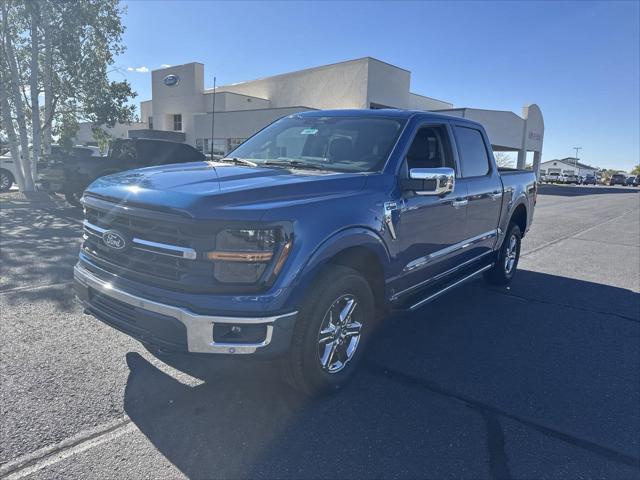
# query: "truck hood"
[[222, 190]]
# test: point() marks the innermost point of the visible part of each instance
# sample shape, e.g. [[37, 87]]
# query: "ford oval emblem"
[[114, 239], [171, 80]]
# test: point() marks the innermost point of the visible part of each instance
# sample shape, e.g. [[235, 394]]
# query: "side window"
[[473, 152], [430, 149]]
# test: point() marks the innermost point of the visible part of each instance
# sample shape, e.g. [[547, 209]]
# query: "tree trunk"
[[35, 89], [47, 78], [23, 160], [7, 122]]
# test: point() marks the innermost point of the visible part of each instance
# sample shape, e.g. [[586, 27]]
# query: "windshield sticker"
[[309, 131]]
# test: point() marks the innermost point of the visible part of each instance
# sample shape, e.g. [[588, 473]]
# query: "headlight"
[[243, 256]]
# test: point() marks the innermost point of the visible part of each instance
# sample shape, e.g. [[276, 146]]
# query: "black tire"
[[6, 180], [504, 269], [303, 366], [73, 198]]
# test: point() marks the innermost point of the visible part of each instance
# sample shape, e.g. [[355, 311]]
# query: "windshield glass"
[[344, 144]]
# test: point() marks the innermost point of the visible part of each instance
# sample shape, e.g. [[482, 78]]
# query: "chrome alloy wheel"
[[511, 254], [339, 334]]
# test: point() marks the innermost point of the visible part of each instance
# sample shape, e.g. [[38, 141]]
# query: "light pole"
[[577, 149]]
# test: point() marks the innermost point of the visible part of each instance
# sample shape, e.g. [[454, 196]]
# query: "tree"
[[504, 160], [636, 170], [64, 50]]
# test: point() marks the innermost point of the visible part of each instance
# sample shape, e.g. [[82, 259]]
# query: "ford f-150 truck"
[[302, 238]]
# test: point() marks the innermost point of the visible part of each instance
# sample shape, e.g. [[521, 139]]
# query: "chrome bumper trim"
[[199, 327]]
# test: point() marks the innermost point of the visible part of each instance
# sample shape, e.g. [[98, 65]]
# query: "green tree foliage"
[[73, 45]]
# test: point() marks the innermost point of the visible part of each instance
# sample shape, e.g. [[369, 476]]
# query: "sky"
[[579, 61]]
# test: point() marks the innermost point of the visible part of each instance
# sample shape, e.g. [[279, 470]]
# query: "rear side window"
[[473, 152]]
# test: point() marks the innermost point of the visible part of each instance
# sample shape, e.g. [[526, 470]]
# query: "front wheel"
[[330, 334], [507, 258]]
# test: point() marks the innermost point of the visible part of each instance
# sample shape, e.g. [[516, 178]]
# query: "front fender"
[[360, 237]]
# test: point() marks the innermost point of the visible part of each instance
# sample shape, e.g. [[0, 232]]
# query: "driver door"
[[431, 226]]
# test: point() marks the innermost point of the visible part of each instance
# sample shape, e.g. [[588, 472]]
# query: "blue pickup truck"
[[303, 238]]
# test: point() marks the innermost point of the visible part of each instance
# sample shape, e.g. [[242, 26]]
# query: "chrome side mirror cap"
[[431, 181]]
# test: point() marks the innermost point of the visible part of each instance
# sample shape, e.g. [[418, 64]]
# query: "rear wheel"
[[6, 180], [507, 258], [330, 334]]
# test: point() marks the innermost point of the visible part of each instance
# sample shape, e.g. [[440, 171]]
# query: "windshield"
[[344, 144]]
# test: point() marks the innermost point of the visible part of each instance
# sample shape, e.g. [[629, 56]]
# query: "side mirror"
[[430, 181]]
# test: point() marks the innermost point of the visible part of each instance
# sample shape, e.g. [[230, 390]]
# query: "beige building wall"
[[341, 85]]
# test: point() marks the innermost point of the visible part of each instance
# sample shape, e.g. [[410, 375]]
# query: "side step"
[[425, 296]]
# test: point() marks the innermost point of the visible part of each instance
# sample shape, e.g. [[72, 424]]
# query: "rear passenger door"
[[484, 189]]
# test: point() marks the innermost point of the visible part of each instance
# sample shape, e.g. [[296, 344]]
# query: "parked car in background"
[[297, 242], [70, 172], [572, 179], [7, 172], [555, 177], [617, 179], [636, 182], [630, 181], [590, 180]]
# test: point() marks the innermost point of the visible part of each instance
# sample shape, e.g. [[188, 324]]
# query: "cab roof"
[[383, 112]]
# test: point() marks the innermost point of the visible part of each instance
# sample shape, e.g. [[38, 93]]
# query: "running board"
[[432, 295]]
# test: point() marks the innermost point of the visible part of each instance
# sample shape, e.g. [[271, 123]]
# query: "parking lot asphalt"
[[537, 380]]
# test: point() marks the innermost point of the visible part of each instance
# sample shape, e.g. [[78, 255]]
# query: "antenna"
[[213, 115]]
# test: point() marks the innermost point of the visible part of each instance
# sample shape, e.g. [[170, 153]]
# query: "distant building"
[[181, 107], [569, 166]]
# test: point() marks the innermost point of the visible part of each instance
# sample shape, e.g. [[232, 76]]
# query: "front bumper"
[[173, 327]]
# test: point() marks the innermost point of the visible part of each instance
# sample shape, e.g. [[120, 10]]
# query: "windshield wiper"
[[239, 161], [295, 164]]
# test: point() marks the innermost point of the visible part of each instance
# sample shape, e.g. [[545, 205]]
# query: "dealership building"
[[181, 106]]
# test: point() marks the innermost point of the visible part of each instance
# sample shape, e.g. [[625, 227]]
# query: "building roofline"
[[211, 91], [431, 98], [255, 110], [178, 65], [319, 67]]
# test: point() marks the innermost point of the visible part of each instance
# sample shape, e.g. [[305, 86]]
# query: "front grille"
[[161, 251]]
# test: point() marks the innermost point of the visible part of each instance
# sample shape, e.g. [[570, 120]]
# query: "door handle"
[[495, 195], [459, 202]]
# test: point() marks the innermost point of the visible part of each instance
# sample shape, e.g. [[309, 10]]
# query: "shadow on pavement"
[[38, 246], [432, 400], [580, 190]]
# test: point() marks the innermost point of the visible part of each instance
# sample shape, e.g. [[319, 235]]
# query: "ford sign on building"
[[171, 80]]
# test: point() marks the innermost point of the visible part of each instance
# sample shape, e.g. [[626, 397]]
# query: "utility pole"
[[213, 115], [577, 149]]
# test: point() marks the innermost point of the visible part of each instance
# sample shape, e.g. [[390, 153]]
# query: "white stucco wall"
[[239, 124], [228, 101], [420, 102], [341, 85], [387, 85], [185, 98]]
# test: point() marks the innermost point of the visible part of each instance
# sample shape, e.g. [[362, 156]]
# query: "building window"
[[235, 143], [150, 122], [177, 122]]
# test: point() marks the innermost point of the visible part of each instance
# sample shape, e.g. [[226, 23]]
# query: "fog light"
[[250, 333]]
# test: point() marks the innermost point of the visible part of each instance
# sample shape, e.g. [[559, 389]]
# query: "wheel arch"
[[360, 249], [519, 217]]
